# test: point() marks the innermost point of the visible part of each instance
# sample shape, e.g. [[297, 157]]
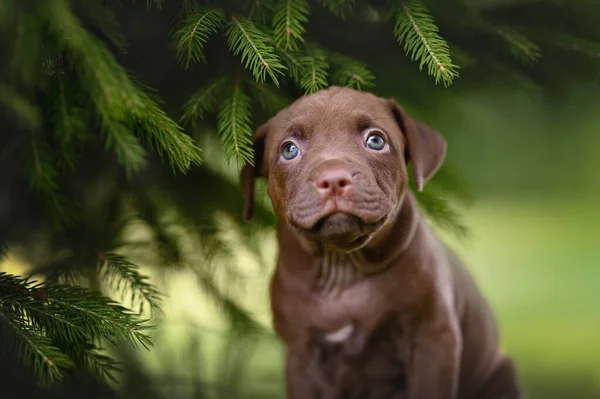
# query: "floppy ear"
[[425, 150], [251, 172]]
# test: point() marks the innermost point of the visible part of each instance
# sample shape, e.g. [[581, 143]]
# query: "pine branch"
[[99, 316], [20, 108], [194, 32], [259, 11], [26, 48], [119, 138], [122, 104], [257, 55], [315, 73], [240, 320], [69, 123], [437, 207], [520, 46], [288, 20], [165, 135], [271, 99], [102, 366], [35, 350], [203, 100], [417, 32], [350, 72], [568, 42], [157, 3], [124, 276], [338, 7], [294, 61], [43, 181], [233, 126]]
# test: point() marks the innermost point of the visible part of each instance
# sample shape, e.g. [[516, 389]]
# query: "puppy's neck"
[[336, 270]]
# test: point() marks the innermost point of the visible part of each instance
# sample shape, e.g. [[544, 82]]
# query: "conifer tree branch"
[[194, 32], [20, 108], [256, 53], [43, 181], [520, 46], [34, 349], [124, 276], [315, 71], [121, 103], [269, 98], [338, 7], [294, 61], [288, 20], [203, 100], [350, 72], [417, 32], [233, 125]]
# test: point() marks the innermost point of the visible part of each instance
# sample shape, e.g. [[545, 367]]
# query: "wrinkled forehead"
[[328, 114]]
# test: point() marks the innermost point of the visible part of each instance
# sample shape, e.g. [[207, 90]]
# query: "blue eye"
[[290, 151], [375, 142]]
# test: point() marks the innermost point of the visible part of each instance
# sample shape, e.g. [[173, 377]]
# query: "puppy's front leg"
[[298, 381], [434, 365]]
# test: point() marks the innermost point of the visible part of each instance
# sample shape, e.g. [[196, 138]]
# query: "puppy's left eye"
[[375, 142]]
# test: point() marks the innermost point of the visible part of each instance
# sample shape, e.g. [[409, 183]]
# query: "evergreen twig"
[[417, 32]]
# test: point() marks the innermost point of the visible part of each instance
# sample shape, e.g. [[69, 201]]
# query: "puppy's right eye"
[[290, 151]]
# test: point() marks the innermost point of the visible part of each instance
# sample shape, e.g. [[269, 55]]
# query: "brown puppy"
[[368, 302]]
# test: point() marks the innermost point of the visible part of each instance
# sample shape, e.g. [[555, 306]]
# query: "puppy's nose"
[[334, 182]]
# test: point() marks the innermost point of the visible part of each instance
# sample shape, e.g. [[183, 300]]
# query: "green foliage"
[[288, 20], [256, 53], [315, 71], [351, 73], [203, 100], [54, 327], [234, 125], [520, 46], [194, 33], [417, 32], [123, 276]]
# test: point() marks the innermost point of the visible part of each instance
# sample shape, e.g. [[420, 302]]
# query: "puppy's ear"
[[251, 172], [425, 150]]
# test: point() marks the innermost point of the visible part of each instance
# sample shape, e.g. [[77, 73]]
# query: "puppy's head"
[[336, 164]]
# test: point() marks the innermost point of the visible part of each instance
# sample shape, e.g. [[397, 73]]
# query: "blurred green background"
[[533, 247]]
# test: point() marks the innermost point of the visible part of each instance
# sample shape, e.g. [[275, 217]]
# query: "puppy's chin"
[[342, 231]]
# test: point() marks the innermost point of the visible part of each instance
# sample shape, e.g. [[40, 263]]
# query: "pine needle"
[[441, 213], [52, 327], [350, 72], [203, 100], [43, 181], [417, 32], [122, 275], [233, 126], [316, 72], [271, 99], [257, 55], [34, 349], [194, 32], [20, 108], [294, 61], [338, 7], [122, 104], [288, 21], [519, 45]]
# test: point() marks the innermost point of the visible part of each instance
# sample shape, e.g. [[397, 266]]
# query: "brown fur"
[[366, 299]]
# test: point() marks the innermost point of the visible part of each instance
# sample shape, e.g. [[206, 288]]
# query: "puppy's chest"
[[341, 294]]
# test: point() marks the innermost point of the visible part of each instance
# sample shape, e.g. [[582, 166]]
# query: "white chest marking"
[[340, 335]]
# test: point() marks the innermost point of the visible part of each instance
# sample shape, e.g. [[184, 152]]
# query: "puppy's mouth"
[[342, 230]]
